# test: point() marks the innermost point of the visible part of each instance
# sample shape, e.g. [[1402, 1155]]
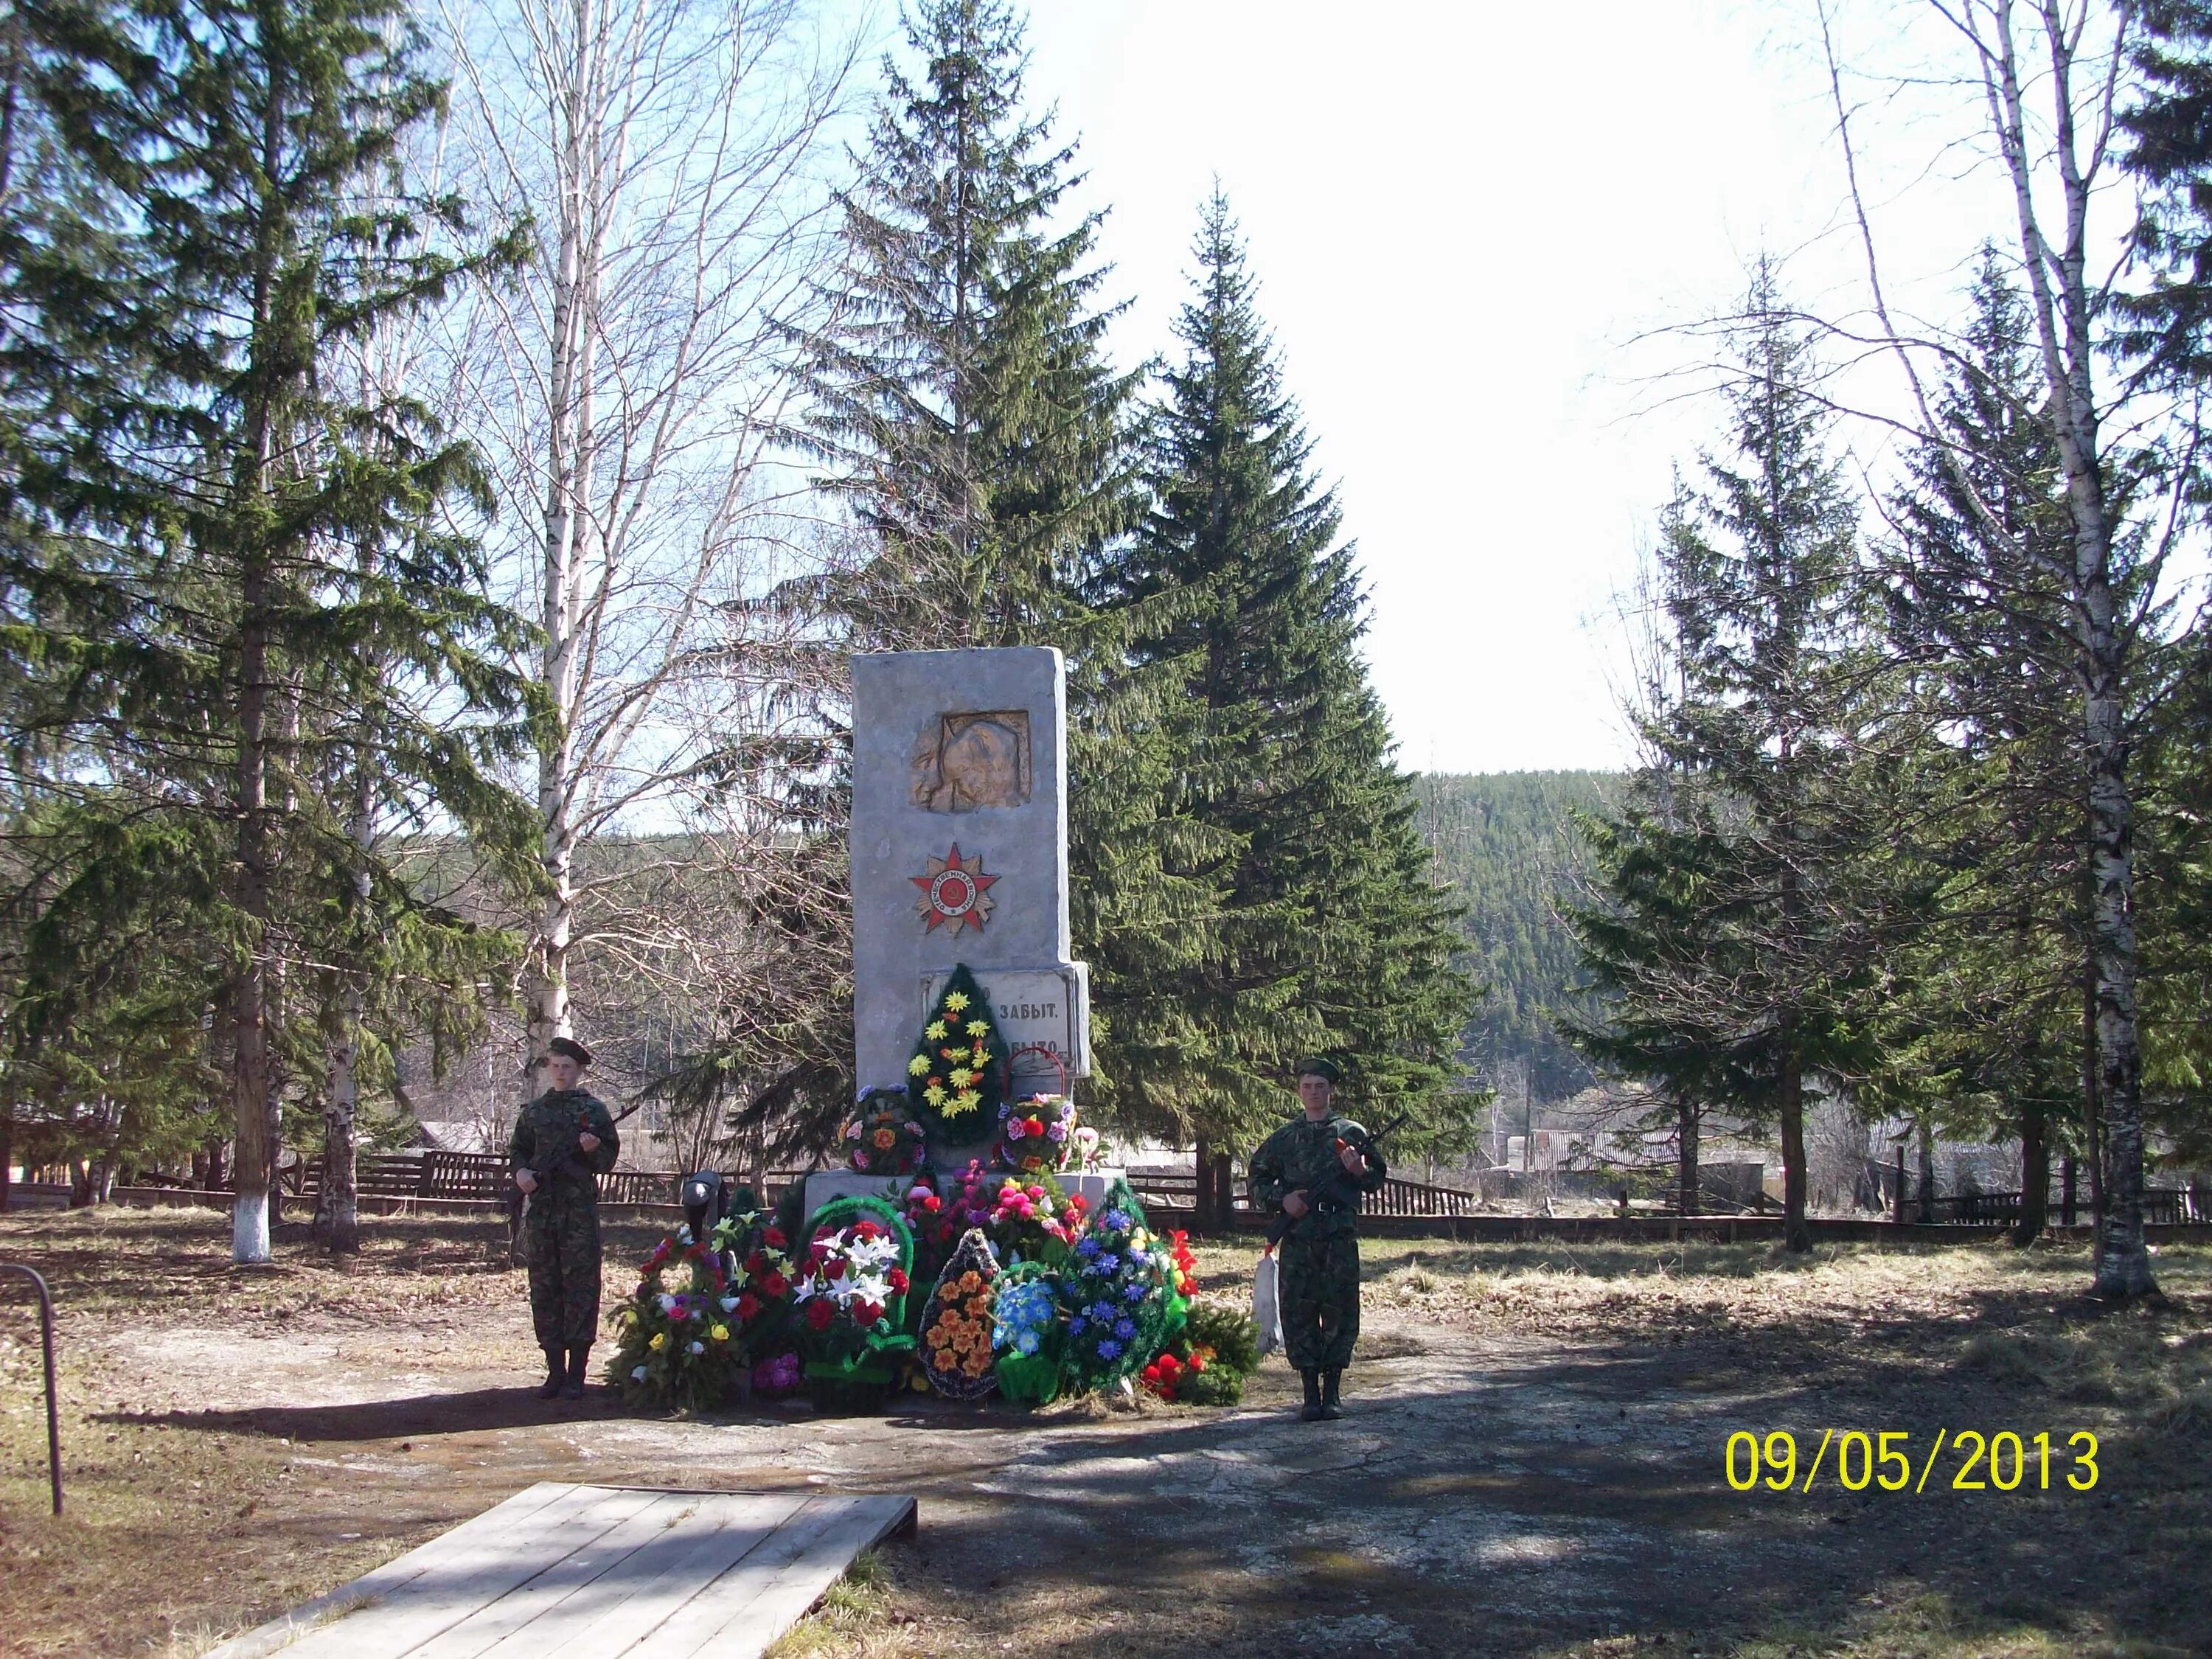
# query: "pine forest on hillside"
[[1506, 848]]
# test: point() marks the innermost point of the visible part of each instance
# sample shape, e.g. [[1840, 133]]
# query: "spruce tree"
[[197, 496], [1992, 1031], [962, 408], [1749, 904], [1328, 930]]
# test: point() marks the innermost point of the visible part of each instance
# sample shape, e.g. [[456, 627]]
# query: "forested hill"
[[1501, 841]]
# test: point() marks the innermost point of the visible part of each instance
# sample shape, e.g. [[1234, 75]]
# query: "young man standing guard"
[[1319, 1259], [563, 1140]]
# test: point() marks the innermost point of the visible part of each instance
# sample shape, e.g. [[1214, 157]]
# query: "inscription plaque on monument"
[[1036, 1008], [959, 848]]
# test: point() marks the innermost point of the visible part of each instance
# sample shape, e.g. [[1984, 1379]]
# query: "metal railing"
[[47, 1343]]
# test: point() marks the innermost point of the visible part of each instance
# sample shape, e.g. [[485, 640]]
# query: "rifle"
[[1339, 1191], [562, 1158]]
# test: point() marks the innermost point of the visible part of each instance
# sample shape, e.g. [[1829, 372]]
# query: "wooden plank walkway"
[[563, 1572]]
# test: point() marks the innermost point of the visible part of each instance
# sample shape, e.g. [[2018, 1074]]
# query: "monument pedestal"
[[1092, 1186]]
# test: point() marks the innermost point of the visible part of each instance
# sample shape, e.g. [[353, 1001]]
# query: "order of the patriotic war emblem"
[[955, 890]]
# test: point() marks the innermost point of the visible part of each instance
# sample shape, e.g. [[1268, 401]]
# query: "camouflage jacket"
[[545, 1140], [1298, 1157]]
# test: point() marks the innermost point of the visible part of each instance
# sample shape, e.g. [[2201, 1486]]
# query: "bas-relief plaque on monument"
[[959, 844], [965, 761]]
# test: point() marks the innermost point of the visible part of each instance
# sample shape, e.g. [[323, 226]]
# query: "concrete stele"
[[959, 847]]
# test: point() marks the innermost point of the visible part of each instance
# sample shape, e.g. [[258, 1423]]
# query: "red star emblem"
[[956, 890]]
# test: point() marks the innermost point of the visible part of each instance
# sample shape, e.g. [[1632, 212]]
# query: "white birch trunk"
[[2063, 310], [622, 389]]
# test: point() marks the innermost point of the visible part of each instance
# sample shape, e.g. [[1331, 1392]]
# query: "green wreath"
[[956, 1079]]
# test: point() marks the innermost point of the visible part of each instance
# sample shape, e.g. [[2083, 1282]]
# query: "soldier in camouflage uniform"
[[563, 1140], [1319, 1261]]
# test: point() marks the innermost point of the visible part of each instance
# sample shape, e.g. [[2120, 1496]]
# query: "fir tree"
[[1992, 1029], [961, 404], [198, 494], [1328, 931], [961, 400], [1746, 913]]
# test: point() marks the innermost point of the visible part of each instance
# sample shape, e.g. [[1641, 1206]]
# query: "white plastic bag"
[[1265, 1313]]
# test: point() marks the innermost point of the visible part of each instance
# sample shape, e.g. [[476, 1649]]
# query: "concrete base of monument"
[[1092, 1186]]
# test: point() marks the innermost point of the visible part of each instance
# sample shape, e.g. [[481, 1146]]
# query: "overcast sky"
[[1479, 230]]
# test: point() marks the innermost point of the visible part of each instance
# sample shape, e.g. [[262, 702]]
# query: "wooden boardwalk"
[[563, 1571]]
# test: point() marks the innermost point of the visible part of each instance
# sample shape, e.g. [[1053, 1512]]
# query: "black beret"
[[572, 1050], [1315, 1065]]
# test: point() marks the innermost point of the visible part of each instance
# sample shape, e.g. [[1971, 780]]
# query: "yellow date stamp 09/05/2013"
[[1887, 1459]]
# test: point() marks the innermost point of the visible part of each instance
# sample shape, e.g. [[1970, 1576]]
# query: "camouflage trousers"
[[1318, 1284], [564, 1270]]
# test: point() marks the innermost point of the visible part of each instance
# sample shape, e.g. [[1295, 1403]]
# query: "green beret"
[[1313, 1066]]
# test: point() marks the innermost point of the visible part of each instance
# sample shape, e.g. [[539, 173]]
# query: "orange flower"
[[885, 1139]]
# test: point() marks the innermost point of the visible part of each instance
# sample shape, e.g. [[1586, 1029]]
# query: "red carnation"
[[757, 1263], [819, 1313], [773, 1238], [867, 1312], [775, 1284], [748, 1305], [933, 1203], [897, 1280], [833, 1268]]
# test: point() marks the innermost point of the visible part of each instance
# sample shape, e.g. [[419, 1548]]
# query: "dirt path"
[[1532, 1462]]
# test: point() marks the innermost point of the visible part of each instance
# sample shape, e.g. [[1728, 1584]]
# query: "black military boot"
[[573, 1387], [1331, 1406], [557, 1375], [1311, 1413]]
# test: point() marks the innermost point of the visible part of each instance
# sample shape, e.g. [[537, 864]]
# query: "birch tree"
[[2050, 78], [673, 157]]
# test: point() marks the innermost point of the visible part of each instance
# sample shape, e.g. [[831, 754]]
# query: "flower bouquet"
[[1027, 1220], [1089, 1149], [1036, 1135], [849, 1297], [1027, 1335], [955, 1328], [1207, 1362], [757, 1297], [886, 1141], [957, 1075], [776, 1377], [1119, 1295], [676, 1343]]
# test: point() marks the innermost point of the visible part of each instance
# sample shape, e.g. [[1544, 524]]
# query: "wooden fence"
[[2163, 1206], [482, 1177]]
